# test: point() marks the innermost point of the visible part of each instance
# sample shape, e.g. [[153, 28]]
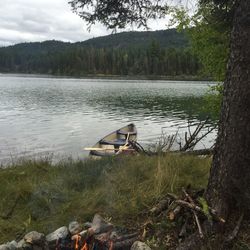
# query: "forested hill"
[[165, 38], [164, 52]]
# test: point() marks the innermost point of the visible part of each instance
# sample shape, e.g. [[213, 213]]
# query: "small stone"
[[23, 245], [12, 245], [114, 235], [35, 238], [27, 246], [84, 233], [20, 244], [99, 225], [4, 247], [138, 245], [74, 227], [61, 232], [87, 225], [9, 246]]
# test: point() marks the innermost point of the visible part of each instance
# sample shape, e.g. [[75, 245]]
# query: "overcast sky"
[[39, 20]]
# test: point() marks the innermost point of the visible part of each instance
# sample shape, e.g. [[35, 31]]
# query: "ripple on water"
[[41, 116]]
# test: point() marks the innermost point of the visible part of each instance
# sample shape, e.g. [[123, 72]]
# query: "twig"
[[193, 138], [160, 206], [216, 216], [194, 213], [190, 206], [198, 209]]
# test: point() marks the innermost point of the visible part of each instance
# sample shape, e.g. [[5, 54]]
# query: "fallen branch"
[[197, 152], [172, 214], [192, 139], [189, 205], [199, 209], [161, 206]]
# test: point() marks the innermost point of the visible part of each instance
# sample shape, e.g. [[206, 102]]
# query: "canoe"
[[115, 143]]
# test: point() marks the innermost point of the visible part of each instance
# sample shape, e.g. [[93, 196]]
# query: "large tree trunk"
[[229, 182], [228, 189]]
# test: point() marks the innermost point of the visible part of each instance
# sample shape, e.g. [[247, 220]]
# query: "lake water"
[[61, 116]]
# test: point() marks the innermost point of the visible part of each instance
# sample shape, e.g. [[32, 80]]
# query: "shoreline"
[[111, 77]]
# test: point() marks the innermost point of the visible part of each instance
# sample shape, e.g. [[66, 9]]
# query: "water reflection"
[[41, 115]]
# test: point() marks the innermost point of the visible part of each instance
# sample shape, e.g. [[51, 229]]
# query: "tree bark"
[[229, 183]]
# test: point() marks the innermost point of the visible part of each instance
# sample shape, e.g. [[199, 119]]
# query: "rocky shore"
[[98, 234]]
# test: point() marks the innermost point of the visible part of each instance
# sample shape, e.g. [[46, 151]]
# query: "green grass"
[[36, 195]]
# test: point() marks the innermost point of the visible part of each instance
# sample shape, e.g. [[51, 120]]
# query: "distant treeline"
[[164, 52], [153, 60]]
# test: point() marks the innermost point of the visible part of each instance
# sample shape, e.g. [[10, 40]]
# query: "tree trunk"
[[228, 188], [229, 183]]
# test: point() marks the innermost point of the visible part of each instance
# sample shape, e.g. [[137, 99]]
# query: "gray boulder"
[[9, 246], [52, 238], [99, 225], [87, 225], [4, 247], [138, 245], [12, 245], [23, 245], [75, 228], [35, 238], [20, 244]]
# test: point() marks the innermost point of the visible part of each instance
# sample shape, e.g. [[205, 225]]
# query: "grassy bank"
[[38, 196]]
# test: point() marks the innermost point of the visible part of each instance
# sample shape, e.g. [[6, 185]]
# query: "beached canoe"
[[115, 143]]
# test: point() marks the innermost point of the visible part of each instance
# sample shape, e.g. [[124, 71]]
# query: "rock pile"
[[98, 234]]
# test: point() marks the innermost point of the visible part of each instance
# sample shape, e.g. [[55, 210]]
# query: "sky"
[[40, 20]]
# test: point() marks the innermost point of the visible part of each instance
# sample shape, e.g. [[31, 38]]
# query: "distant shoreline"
[[112, 77]]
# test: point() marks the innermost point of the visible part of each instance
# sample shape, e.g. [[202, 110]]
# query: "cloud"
[[39, 20]]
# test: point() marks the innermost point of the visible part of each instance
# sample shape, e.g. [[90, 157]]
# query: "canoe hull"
[[113, 143]]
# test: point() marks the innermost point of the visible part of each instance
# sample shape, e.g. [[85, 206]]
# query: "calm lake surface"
[[41, 116]]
